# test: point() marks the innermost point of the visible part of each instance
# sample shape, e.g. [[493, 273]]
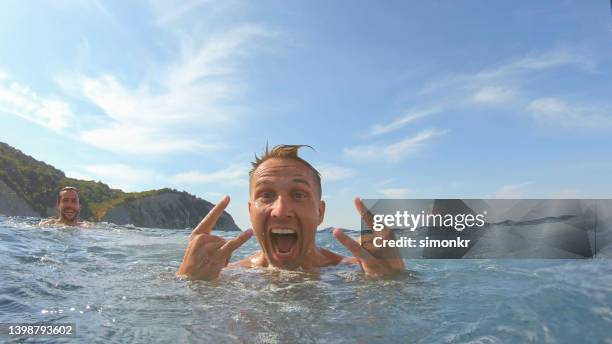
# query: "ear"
[[250, 206], [321, 211]]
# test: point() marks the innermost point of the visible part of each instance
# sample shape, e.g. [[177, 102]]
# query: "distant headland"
[[28, 187]]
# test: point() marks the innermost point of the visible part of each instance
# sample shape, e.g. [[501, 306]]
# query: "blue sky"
[[406, 99]]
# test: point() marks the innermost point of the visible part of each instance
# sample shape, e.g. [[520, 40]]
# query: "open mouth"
[[284, 242]]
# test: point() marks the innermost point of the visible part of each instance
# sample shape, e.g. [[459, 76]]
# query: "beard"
[[69, 214]]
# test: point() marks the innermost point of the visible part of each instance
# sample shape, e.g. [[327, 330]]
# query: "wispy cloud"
[[394, 152], [502, 74], [540, 61], [20, 100], [169, 11], [493, 95], [233, 175], [511, 191], [105, 12], [384, 182], [181, 108], [396, 193], [557, 112], [410, 117], [506, 86], [332, 172], [119, 176], [142, 140], [130, 178]]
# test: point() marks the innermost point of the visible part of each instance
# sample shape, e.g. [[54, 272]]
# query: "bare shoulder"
[[86, 224], [47, 222]]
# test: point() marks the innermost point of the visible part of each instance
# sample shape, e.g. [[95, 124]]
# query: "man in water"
[[285, 208], [68, 208]]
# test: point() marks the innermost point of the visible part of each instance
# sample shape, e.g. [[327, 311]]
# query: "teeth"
[[283, 231]]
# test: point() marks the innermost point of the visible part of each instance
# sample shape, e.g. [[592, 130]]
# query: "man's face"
[[285, 210], [69, 205]]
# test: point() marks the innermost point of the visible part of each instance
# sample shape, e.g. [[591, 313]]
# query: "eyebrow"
[[295, 180]]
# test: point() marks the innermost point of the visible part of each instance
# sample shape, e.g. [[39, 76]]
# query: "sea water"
[[117, 284]]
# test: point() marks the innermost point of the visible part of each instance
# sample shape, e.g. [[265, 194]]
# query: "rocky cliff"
[[12, 204], [166, 210], [29, 187]]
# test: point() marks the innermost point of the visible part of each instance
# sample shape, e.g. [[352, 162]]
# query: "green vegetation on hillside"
[[100, 208], [38, 183]]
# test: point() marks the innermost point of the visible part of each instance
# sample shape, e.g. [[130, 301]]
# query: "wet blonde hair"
[[285, 152]]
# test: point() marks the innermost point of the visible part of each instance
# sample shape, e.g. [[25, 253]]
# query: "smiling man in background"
[[285, 209], [68, 208]]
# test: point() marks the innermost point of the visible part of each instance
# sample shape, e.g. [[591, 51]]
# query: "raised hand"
[[207, 254], [374, 261]]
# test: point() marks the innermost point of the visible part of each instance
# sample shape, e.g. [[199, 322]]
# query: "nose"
[[282, 207]]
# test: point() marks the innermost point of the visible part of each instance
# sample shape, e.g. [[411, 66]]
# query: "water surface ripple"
[[117, 284]]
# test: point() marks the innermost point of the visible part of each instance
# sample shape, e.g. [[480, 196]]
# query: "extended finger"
[[366, 215], [207, 224], [368, 218], [233, 244], [352, 245]]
